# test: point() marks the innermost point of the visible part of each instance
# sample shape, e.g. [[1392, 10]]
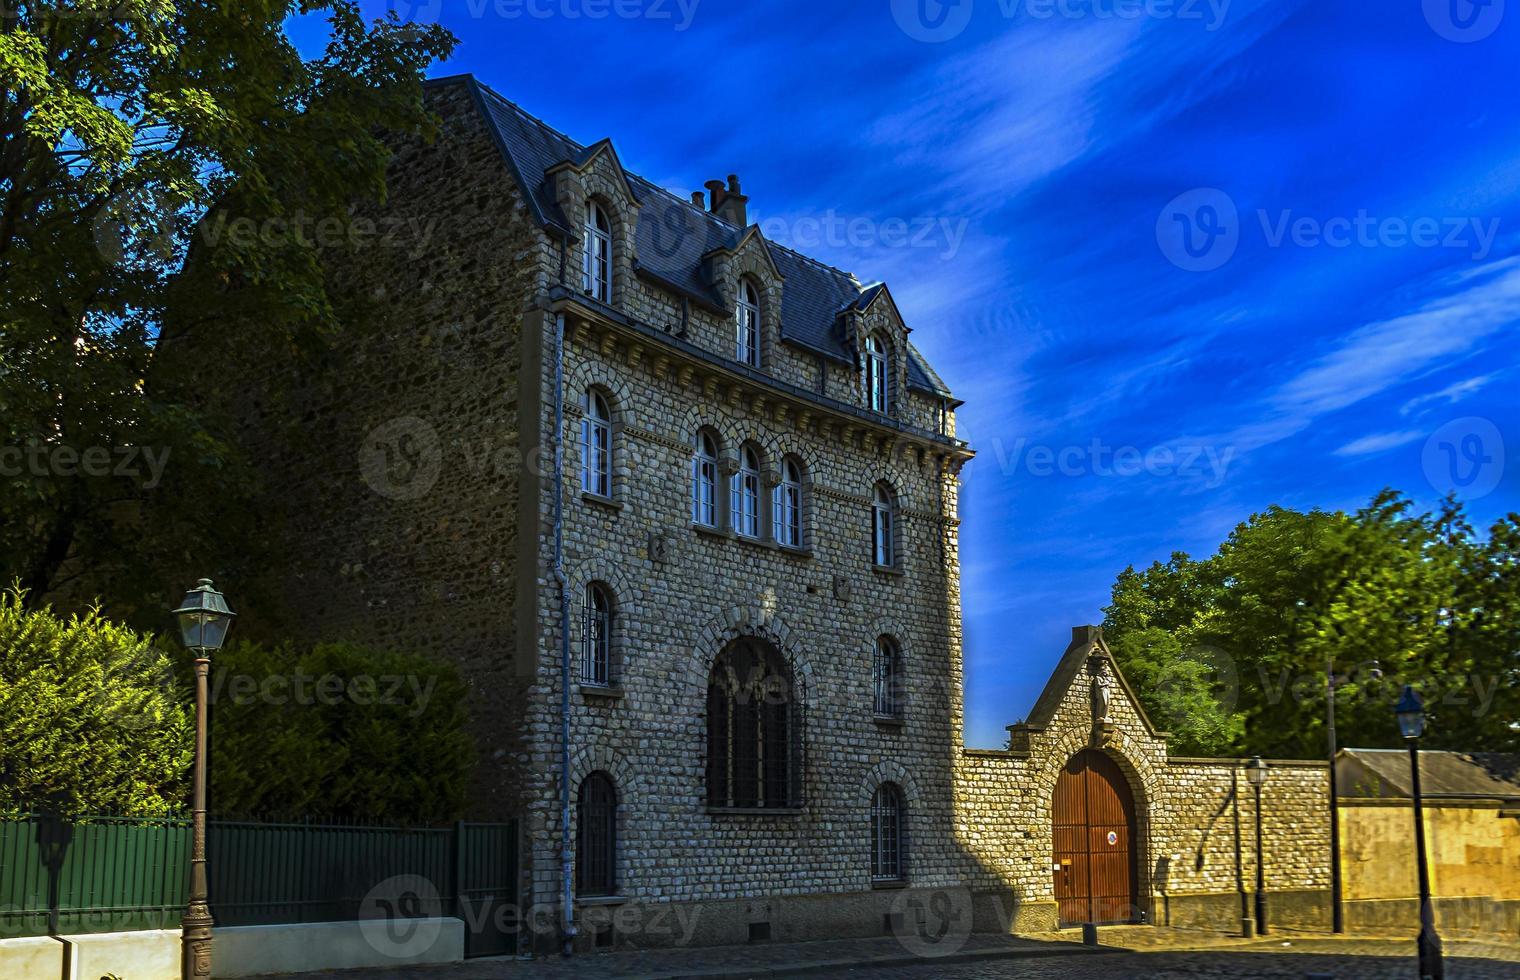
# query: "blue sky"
[[1183, 260]]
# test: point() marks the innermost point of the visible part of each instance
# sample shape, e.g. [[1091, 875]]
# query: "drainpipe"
[[567, 867]]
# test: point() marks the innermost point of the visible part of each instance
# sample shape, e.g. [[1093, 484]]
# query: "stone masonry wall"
[[1192, 862], [391, 465]]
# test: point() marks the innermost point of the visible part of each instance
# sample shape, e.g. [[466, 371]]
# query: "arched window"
[[787, 514], [596, 636], [596, 446], [748, 317], [596, 259], [888, 854], [745, 503], [596, 837], [704, 481], [887, 678], [883, 527], [754, 729], [878, 374]]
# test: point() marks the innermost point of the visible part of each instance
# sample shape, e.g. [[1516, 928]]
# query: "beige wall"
[[1473, 849]]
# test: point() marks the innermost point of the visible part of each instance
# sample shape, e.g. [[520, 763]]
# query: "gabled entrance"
[[1093, 818]]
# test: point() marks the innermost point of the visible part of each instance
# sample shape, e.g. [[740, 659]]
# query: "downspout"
[[567, 867]]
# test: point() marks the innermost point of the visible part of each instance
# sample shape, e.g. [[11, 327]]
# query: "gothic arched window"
[[704, 480], [787, 516], [596, 446], [884, 526], [747, 318], [754, 730], [596, 837], [878, 375], [745, 503], [596, 259], [888, 852]]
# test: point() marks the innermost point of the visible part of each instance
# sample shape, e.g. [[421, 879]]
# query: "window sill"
[[797, 552], [595, 900], [708, 531], [612, 692], [895, 571], [601, 501], [889, 722], [893, 884], [755, 811]]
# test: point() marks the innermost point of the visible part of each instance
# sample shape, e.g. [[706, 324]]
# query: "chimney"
[[730, 204], [716, 189], [699, 200]]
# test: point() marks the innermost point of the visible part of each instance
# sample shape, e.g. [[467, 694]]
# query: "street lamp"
[[1332, 684], [203, 621], [1256, 774], [1411, 714]]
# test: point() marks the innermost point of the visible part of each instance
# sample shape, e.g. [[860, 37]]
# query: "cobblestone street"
[[1391, 964], [1164, 954]]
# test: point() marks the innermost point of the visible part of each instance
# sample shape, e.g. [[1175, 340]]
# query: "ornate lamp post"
[[1411, 715], [1256, 774], [203, 621]]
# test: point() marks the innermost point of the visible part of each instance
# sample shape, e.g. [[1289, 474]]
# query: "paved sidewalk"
[[728, 962]]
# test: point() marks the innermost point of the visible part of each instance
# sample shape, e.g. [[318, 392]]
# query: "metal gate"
[[1093, 819], [486, 887]]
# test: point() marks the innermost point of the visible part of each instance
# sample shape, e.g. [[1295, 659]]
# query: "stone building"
[[682, 503]]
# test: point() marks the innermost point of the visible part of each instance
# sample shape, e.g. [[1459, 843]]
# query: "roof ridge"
[[663, 190], [818, 262]]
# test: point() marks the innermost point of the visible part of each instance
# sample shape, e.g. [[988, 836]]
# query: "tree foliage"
[[98, 719], [92, 717], [1233, 652], [130, 130], [337, 732]]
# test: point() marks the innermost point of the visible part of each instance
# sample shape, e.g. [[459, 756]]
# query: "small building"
[[1472, 839]]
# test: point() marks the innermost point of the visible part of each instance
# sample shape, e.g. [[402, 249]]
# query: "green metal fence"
[[95, 874], [102, 874]]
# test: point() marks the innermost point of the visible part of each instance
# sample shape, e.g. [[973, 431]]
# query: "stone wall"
[[679, 602], [391, 462], [1195, 818]]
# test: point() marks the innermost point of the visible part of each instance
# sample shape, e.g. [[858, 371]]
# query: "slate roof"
[[673, 235], [1384, 773]]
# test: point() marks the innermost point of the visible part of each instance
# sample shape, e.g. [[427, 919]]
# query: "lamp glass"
[[1256, 771], [1411, 714], [204, 618]]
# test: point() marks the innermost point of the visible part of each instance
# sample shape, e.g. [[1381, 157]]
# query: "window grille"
[[754, 743], [596, 840]]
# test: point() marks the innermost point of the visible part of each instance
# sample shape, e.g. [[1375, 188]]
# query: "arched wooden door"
[[1093, 816]]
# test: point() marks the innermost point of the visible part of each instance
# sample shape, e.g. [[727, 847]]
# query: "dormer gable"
[[595, 173], [749, 257]]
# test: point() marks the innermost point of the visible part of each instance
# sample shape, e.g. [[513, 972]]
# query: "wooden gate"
[[1093, 818]]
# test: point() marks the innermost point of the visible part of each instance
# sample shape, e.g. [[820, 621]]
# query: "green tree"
[[1387, 595], [338, 732], [92, 718], [130, 132]]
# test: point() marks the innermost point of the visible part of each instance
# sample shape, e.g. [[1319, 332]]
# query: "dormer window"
[[878, 377], [748, 326], [596, 260]]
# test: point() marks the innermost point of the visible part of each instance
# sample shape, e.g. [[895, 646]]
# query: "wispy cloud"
[[1378, 356], [1451, 394], [1378, 442]]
